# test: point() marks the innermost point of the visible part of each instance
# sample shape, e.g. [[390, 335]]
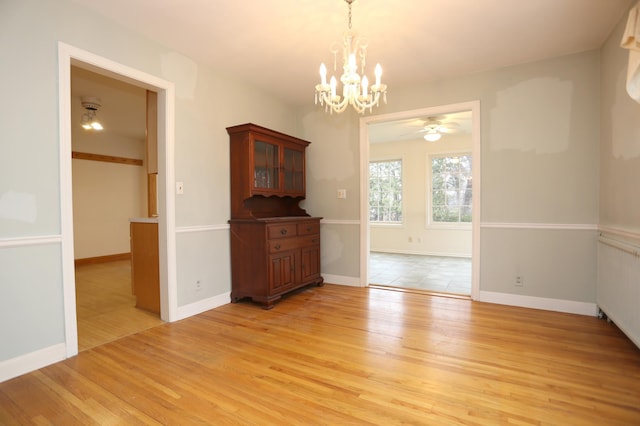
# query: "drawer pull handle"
[[308, 229], [277, 246], [283, 231]]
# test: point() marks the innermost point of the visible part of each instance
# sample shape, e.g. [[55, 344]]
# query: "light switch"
[[342, 193], [179, 188]]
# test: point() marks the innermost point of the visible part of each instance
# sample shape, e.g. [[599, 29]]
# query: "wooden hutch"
[[275, 244]]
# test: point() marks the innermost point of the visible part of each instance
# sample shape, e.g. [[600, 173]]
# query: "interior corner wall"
[[618, 287], [619, 203]]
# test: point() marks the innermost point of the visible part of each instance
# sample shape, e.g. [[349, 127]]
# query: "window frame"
[[430, 223], [383, 159]]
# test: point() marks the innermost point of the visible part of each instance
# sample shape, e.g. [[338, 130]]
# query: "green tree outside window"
[[385, 191]]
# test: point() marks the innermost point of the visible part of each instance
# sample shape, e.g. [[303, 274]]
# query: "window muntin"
[[385, 191]]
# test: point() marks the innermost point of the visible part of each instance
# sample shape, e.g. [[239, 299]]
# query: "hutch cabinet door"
[[282, 271], [310, 263], [266, 166], [293, 170]]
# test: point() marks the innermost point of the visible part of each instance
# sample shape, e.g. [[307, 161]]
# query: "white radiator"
[[618, 286]]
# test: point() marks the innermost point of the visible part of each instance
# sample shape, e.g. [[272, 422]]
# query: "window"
[[385, 191], [451, 189]]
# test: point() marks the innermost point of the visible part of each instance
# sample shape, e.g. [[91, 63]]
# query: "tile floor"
[[431, 273]]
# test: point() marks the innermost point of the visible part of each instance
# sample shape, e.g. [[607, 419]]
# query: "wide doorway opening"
[[422, 179]]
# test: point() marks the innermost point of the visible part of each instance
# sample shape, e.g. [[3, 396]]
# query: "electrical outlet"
[[342, 193], [519, 281], [179, 188], [198, 285]]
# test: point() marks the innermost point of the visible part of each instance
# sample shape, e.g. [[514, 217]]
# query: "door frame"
[[67, 56], [474, 107]]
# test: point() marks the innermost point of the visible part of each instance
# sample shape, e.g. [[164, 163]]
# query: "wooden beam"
[[105, 158]]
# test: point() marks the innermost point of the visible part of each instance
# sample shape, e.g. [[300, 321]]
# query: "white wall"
[[414, 235]]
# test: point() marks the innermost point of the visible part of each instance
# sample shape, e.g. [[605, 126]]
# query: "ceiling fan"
[[433, 128]]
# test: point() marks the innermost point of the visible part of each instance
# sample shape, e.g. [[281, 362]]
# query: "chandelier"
[[355, 88]]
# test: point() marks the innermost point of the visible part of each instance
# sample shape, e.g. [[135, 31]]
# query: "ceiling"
[[458, 123], [277, 45], [123, 110]]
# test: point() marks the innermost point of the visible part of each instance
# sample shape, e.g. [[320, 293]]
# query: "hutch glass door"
[[293, 170], [266, 169]]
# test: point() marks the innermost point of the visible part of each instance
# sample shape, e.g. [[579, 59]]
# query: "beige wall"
[[539, 149], [206, 102], [106, 195]]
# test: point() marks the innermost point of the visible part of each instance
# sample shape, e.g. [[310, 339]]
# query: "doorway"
[[430, 245], [69, 56], [110, 169]]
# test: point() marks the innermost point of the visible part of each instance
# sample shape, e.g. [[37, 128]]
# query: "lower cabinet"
[[271, 257], [145, 268]]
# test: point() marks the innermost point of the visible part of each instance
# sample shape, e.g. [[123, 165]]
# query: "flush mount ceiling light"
[[355, 88], [89, 120]]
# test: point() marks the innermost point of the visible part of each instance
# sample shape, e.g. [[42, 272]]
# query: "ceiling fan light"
[[432, 137]]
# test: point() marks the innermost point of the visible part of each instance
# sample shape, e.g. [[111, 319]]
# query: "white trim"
[[166, 102], [344, 280], [533, 302], [65, 54], [399, 225], [621, 232], [30, 241], [31, 361], [202, 228], [200, 306], [339, 222], [423, 253], [474, 106], [548, 226]]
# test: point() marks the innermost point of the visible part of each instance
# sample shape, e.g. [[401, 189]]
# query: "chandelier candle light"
[[355, 89]]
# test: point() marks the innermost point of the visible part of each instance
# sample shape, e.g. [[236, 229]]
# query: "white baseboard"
[[557, 305], [423, 253], [203, 305], [32, 361], [342, 280]]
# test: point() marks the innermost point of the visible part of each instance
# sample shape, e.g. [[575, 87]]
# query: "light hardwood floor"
[[105, 305], [338, 355]]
